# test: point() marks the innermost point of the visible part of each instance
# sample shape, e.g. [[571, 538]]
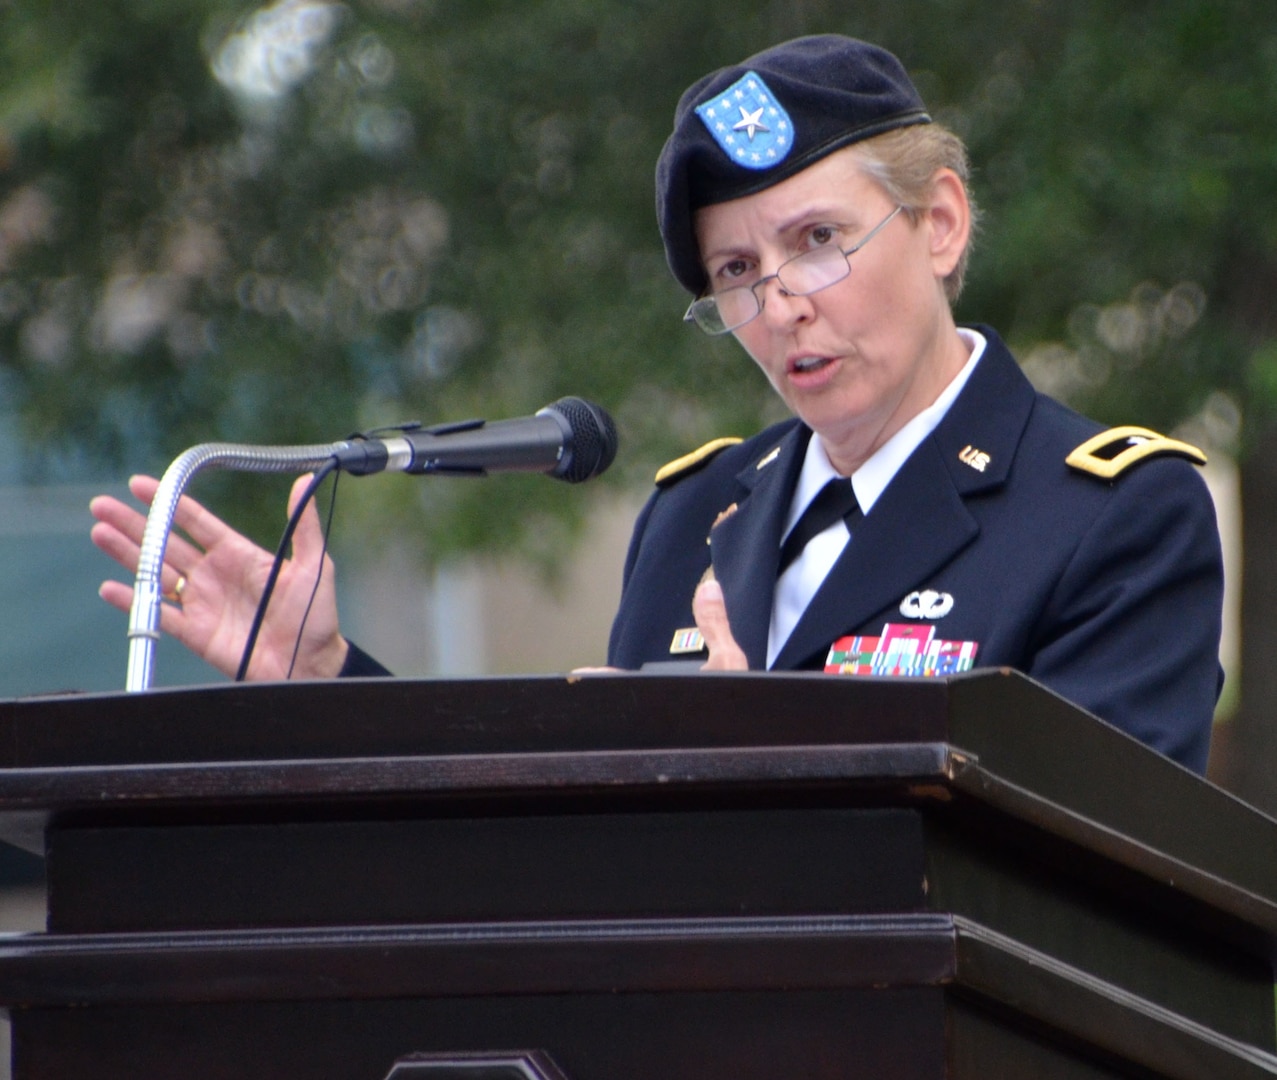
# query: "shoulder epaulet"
[[689, 463], [1110, 453]]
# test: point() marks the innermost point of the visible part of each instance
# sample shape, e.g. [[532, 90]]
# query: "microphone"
[[571, 440]]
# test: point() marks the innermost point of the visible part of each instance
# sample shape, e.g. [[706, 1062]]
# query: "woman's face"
[[858, 359]]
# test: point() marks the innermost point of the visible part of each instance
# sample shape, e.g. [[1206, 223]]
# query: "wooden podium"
[[755, 877]]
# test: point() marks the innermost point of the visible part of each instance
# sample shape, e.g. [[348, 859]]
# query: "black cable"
[[319, 574], [318, 478]]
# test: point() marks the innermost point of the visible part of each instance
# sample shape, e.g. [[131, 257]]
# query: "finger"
[[200, 524], [143, 488], [119, 516], [308, 540], [192, 517], [118, 534], [120, 597], [298, 490], [117, 594], [126, 553], [710, 612], [131, 526], [111, 541]]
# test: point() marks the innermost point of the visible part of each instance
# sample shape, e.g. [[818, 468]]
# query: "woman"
[[816, 213], [819, 216]]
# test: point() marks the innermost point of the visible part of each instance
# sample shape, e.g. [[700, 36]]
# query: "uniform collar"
[[872, 478], [921, 520], [970, 449]]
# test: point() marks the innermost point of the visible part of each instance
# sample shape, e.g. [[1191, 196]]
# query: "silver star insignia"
[[751, 122]]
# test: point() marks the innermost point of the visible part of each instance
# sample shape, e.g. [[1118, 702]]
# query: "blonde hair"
[[905, 161]]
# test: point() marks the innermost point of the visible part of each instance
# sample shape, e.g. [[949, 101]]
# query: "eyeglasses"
[[802, 275]]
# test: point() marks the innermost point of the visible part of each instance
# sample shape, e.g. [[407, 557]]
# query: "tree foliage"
[[280, 223]]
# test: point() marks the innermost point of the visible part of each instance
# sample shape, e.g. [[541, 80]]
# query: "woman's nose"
[[781, 308]]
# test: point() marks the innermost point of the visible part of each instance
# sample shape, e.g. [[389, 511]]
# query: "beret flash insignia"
[[748, 123]]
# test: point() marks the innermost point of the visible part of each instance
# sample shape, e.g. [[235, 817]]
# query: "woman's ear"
[[949, 218]]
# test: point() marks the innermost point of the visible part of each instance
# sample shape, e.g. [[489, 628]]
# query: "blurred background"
[[282, 223]]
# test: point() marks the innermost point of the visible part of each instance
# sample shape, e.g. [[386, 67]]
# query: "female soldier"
[[817, 214]]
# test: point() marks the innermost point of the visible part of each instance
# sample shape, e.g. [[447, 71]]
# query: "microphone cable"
[[319, 574], [317, 478]]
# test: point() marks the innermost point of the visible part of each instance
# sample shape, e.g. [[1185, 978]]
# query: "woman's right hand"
[[213, 578]]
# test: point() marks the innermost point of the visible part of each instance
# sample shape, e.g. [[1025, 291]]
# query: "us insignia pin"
[[768, 458], [977, 459], [748, 123]]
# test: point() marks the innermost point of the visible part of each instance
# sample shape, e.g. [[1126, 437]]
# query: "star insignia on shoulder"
[[1110, 453], [689, 463]]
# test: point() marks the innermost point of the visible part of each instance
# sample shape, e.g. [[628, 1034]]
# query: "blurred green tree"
[[279, 222]]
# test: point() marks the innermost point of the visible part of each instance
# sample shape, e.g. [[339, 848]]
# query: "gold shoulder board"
[[1110, 453], [688, 463]]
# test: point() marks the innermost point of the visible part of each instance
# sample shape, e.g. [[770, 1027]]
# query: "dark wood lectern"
[[755, 877]]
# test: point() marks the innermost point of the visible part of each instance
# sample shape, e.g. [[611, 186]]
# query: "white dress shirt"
[[798, 584]]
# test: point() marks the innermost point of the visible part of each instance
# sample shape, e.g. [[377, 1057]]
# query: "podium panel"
[[746, 876]]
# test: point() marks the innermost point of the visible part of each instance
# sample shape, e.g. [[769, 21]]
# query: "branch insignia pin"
[[723, 515]]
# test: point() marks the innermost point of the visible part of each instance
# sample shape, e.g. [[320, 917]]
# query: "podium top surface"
[[991, 738], [991, 712]]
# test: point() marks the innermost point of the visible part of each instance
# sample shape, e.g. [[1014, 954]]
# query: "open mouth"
[[808, 364]]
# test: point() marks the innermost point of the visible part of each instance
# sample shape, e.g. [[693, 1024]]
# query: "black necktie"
[[835, 501]]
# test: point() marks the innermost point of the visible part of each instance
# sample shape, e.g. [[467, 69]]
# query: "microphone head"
[[589, 439]]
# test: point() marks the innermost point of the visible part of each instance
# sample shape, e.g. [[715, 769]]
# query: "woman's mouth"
[[805, 365]]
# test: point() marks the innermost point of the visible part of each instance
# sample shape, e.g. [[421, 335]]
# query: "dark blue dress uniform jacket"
[[1108, 592]]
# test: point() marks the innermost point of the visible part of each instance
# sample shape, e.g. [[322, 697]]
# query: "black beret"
[[746, 127]]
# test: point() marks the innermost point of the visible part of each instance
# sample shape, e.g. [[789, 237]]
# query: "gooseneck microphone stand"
[[570, 440], [144, 617]]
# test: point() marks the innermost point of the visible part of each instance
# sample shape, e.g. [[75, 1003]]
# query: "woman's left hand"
[[710, 613]]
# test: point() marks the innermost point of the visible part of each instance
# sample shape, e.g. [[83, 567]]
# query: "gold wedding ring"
[[176, 595]]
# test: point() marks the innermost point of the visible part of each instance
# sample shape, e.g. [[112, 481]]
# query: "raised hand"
[[213, 578]]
